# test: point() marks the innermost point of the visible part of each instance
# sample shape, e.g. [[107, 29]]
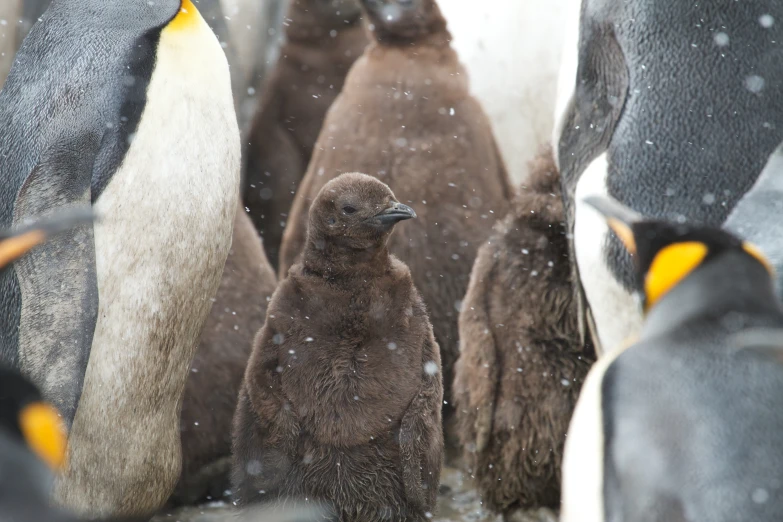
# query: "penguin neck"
[[435, 35], [332, 259], [734, 286], [307, 28]]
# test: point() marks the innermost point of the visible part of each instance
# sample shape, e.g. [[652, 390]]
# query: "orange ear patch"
[[44, 432], [756, 253], [623, 232], [670, 266]]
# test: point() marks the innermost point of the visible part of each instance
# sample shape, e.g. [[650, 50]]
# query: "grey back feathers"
[[666, 407]]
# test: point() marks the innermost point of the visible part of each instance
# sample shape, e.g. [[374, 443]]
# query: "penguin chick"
[[521, 363], [406, 116], [342, 395], [684, 424], [323, 39]]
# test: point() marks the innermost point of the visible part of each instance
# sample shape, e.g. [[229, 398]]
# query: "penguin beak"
[[619, 218], [16, 243], [44, 432], [396, 212]]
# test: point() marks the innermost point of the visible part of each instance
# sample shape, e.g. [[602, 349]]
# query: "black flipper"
[[58, 280], [599, 97]]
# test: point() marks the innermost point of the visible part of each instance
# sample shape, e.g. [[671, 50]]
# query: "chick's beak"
[[396, 212], [45, 433]]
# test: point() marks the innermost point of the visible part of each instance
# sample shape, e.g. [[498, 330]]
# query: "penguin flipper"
[[597, 104], [421, 435], [265, 430], [58, 280]]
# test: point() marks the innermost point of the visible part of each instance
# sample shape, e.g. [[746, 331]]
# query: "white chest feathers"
[[161, 244]]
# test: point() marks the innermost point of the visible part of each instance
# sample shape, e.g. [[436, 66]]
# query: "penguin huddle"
[[366, 298]]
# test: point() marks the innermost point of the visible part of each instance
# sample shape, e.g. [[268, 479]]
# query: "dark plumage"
[[213, 384], [323, 39], [685, 422], [406, 116], [32, 436], [681, 109], [341, 398], [26, 479], [521, 365]]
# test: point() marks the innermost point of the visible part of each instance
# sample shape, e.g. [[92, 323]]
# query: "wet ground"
[[459, 502]]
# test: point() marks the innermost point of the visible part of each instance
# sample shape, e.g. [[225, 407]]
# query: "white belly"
[[165, 231], [617, 313], [512, 67]]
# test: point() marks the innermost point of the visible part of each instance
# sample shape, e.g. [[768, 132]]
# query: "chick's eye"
[[349, 209]]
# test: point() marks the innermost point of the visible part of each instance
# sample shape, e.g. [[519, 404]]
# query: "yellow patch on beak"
[[670, 266], [756, 253], [45, 433], [187, 17], [623, 232], [15, 247]]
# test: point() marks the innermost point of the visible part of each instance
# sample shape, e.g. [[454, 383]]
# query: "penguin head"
[[356, 211], [17, 242], [665, 253], [403, 20], [344, 10], [24, 417]]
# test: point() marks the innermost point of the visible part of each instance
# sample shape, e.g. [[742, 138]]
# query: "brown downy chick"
[[406, 116], [521, 366], [342, 395], [323, 39]]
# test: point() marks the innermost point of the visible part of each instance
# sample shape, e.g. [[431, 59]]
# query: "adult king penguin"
[[684, 424], [672, 108], [125, 105]]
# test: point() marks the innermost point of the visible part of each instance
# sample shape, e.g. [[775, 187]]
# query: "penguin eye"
[[348, 209]]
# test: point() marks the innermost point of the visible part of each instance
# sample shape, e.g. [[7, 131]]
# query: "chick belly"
[[362, 482], [351, 420]]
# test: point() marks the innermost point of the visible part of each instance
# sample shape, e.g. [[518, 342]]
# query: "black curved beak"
[[396, 212]]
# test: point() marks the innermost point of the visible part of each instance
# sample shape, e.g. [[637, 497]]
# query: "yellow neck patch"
[[187, 17], [670, 266], [45, 433]]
